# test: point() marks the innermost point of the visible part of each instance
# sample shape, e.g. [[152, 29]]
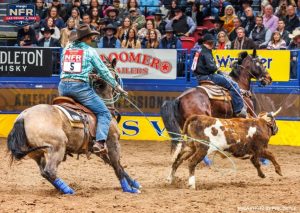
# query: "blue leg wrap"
[[132, 183], [207, 161], [126, 187], [264, 161], [62, 186]]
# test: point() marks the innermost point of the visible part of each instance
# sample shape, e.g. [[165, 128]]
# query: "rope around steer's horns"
[[183, 137]]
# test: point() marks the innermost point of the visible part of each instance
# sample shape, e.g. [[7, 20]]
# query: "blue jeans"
[[221, 80], [85, 95]]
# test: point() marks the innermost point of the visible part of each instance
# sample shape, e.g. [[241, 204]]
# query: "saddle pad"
[[71, 115], [215, 92]]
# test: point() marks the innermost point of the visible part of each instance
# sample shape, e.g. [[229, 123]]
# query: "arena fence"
[[19, 93]]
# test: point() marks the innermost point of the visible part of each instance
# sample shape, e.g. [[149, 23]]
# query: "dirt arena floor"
[[22, 189]]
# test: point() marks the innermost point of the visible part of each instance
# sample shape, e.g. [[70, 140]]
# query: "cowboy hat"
[[208, 37], [132, 9], [295, 33], [83, 31], [110, 26], [179, 9], [158, 13], [169, 29], [47, 29], [110, 9]]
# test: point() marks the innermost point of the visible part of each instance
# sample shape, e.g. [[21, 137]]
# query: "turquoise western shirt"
[[89, 61]]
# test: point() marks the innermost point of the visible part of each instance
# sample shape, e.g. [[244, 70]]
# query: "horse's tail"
[[169, 112], [17, 142]]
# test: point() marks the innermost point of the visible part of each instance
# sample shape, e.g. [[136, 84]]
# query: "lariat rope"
[[181, 137]]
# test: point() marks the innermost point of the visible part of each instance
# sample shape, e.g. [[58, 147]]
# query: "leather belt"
[[71, 80]]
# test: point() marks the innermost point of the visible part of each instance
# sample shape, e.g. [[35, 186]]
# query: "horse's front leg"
[[127, 183]]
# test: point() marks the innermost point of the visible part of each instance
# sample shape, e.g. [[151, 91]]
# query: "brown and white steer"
[[238, 136]]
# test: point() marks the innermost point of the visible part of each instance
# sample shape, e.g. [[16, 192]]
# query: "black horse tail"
[[169, 112], [17, 142]]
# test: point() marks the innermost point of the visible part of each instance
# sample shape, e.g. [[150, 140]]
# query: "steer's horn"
[[276, 113], [254, 53]]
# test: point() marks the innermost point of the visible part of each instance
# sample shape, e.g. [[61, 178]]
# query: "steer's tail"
[[169, 112]]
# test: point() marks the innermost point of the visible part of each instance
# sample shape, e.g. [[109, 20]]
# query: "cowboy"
[[26, 36], [78, 60], [183, 25], [294, 45], [138, 20], [159, 22], [170, 41], [47, 40], [218, 26], [112, 17], [109, 40], [206, 70]]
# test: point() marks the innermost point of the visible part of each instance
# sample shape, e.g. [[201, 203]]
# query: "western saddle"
[[79, 117], [214, 91]]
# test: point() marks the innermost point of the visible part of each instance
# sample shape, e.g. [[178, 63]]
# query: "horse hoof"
[[207, 161], [62, 186], [264, 161], [127, 188], [136, 185], [132, 191]]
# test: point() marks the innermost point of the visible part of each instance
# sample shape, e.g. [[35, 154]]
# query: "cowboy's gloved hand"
[[120, 89]]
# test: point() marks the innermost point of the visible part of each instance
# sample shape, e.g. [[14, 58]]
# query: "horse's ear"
[[242, 56], [114, 62], [254, 53]]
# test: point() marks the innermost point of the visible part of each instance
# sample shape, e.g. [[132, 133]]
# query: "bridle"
[[257, 61]]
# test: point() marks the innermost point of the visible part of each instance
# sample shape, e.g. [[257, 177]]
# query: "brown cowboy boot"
[[100, 147]]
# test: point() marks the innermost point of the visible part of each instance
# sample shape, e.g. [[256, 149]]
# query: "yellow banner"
[[277, 62], [139, 128]]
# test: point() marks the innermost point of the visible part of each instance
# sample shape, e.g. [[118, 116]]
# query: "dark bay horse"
[[196, 101], [45, 134]]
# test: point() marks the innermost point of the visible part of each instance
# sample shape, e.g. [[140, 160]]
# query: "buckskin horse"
[[47, 135], [196, 101]]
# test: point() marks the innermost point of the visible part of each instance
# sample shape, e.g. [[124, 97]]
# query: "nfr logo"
[[132, 128], [226, 61], [20, 14]]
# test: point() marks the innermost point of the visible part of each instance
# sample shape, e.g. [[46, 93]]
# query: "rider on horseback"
[[78, 60], [206, 70]]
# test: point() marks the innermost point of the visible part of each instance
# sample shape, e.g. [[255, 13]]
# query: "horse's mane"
[[235, 72]]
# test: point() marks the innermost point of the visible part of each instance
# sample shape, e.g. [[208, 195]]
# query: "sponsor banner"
[[277, 62], [25, 62], [18, 99], [138, 128], [21, 14], [143, 63]]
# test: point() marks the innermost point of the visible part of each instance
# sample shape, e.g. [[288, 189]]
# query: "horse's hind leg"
[[48, 165], [54, 157]]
